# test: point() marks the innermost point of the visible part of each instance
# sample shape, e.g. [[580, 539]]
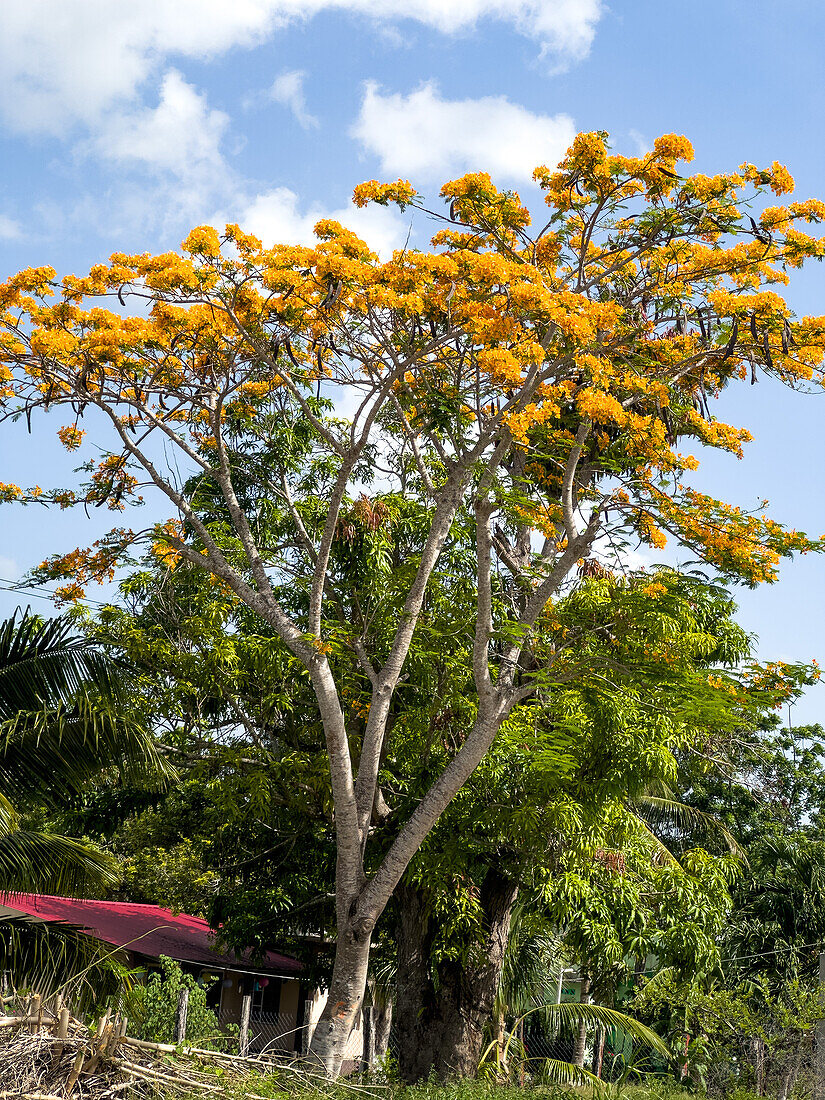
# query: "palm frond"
[[54, 753], [531, 957], [567, 1073], [43, 664], [658, 811], [61, 958], [43, 863], [572, 1012]]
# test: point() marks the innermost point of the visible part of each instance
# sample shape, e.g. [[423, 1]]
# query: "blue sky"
[[123, 125]]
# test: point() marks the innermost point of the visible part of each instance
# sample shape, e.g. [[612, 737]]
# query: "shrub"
[[155, 1004]]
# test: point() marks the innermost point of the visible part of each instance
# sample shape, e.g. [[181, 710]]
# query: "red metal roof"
[[147, 930]]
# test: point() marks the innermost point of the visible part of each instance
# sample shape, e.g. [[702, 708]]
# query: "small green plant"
[[154, 1005]]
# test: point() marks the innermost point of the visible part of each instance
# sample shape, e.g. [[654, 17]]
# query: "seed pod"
[[291, 354], [754, 333], [767, 349], [731, 344]]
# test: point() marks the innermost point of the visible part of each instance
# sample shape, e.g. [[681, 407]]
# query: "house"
[[285, 1009]]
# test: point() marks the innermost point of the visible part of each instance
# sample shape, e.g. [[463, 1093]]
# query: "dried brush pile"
[[52, 1056]]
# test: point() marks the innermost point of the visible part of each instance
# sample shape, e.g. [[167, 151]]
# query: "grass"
[[661, 1089]]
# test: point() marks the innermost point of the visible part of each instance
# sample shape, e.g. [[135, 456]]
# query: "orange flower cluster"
[[616, 325]]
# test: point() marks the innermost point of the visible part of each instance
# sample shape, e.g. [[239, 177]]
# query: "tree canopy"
[[534, 388]]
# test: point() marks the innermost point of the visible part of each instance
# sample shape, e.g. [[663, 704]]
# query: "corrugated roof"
[[147, 930]]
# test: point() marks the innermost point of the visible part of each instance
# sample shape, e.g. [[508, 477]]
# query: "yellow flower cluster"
[[202, 241], [596, 323], [70, 436], [401, 192]]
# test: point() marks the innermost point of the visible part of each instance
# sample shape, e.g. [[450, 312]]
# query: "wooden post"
[[819, 1089], [181, 1013], [35, 1013], [246, 1012], [98, 1044], [76, 1068], [62, 1035], [368, 1048]]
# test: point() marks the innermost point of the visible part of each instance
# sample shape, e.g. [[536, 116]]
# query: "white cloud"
[[288, 90], [182, 135], [643, 144], [62, 63], [423, 135], [65, 62], [9, 228], [177, 143], [275, 216], [9, 569]]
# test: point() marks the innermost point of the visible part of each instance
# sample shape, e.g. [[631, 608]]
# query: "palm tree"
[[63, 723]]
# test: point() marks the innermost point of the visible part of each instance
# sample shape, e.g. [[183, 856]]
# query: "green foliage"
[[637, 680], [726, 1019], [154, 1004]]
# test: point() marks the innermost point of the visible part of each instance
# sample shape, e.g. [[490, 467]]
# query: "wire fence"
[[789, 1063], [280, 1035], [534, 1053]]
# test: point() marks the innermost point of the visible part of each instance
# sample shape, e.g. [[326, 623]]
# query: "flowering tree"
[[533, 388]]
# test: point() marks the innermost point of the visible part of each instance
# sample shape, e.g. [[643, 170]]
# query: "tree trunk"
[[346, 994], [759, 1063], [580, 1044], [383, 1024], [598, 1052], [440, 1018]]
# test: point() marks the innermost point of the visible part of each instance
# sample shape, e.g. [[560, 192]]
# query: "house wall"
[[276, 1027], [231, 997], [289, 1009]]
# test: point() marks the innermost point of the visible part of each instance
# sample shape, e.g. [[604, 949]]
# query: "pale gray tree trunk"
[[346, 994], [580, 1043]]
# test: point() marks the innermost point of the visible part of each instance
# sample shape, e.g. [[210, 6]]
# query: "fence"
[[782, 1067], [276, 1034]]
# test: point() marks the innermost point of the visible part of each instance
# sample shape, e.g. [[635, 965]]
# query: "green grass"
[[662, 1089]]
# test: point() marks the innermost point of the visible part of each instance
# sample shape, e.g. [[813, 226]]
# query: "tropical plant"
[[554, 1069], [62, 960], [61, 727]]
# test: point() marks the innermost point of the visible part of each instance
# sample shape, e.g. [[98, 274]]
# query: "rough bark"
[[759, 1063], [383, 1025], [440, 1017], [498, 1036]]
